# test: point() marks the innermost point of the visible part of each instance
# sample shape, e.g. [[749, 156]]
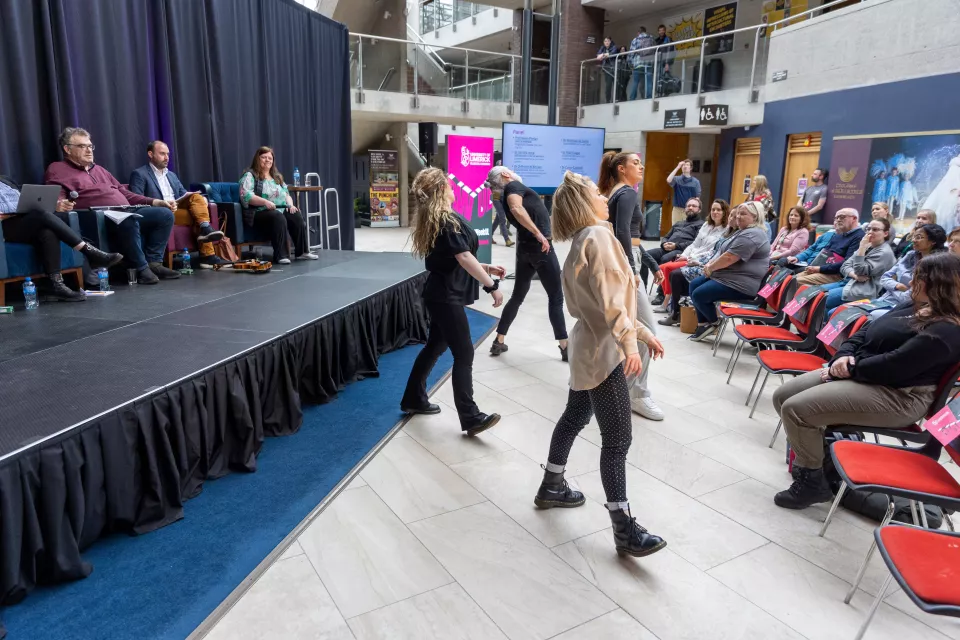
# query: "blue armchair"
[[226, 195], [19, 261]]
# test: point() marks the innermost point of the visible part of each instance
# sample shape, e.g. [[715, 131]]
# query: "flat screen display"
[[540, 154]]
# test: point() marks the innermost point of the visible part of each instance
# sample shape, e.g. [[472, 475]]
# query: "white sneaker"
[[283, 261], [308, 256], [647, 408]]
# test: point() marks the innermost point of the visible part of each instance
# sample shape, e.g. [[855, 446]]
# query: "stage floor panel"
[[68, 362]]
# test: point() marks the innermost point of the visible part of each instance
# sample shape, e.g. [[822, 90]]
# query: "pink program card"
[[945, 426]]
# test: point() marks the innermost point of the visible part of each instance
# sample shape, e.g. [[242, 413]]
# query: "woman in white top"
[[600, 291]]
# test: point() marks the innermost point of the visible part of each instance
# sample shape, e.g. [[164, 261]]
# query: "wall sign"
[[779, 76], [675, 119], [801, 186], [720, 19], [746, 185], [714, 114], [384, 188]]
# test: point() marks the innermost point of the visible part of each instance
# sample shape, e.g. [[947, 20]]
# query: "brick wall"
[[577, 23]]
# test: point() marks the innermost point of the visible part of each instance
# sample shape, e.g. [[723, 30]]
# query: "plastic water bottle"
[[103, 279], [30, 294], [186, 269], [296, 176]]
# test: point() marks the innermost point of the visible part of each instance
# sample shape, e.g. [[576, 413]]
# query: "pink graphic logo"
[[469, 160]]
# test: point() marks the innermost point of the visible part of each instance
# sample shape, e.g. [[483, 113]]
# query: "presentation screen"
[[541, 154]]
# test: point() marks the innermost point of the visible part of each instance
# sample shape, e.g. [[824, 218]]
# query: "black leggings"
[[680, 287], [278, 224], [547, 266], [44, 230], [611, 402], [448, 328]]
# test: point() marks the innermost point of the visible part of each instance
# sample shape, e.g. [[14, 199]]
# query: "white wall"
[[870, 43]]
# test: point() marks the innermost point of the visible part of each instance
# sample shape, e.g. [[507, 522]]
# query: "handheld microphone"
[[72, 196]]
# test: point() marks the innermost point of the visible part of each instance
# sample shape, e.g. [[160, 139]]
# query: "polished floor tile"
[[441, 435], [292, 551], [531, 433], [503, 379], [734, 416], [678, 424], [487, 399], [616, 625], [747, 456], [546, 399]]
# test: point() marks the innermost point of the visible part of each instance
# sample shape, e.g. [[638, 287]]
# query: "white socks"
[[555, 468]]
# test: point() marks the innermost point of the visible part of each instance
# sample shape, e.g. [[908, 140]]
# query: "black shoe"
[[703, 332], [563, 354], [669, 321], [630, 538], [98, 258], [498, 347], [658, 300], [429, 410], [213, 261], [208, 234], [146, 276], [809, 487], [484, 423], [163, 272], [555, 492], [62, 292]]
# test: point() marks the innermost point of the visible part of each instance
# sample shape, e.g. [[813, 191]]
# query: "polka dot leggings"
[[611, 402]]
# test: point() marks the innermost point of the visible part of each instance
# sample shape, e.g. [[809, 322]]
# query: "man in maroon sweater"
[[141, 240]]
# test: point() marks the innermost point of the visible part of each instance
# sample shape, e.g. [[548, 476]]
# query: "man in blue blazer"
[[154, 180]]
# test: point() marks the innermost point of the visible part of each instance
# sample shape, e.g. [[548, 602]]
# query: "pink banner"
[[469, 160]]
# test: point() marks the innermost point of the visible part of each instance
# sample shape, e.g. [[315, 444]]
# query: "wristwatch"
[[496, 285]]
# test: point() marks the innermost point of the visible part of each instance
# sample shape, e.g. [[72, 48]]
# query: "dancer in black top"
[[535, 255], [449, 246]]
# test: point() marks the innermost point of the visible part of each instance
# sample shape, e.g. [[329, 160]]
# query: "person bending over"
[[535, 255], [895, 283], [884, 376], [142, 239], [46, 231], [863, 270], [680, 236], [736, 273], [905, 244], [842, 244], [793, 237], [262, 191], [155, 180], [601, 294], [448, 244]]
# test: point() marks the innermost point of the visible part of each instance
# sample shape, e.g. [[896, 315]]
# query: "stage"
[[117, 409]]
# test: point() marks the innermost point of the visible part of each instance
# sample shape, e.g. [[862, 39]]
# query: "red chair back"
[[778, 298], [816, 309], [857, 325]]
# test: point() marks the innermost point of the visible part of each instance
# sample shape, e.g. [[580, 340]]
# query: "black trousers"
[[547, 266], [45, 231], [680, 287], [448, 328], [661, 256], [281, 225]]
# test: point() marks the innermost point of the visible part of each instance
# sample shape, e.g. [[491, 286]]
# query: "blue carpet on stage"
[[164, 584]]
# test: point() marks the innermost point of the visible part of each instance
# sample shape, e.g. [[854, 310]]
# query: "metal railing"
[[455, 72], [437, 14], [658, 71]]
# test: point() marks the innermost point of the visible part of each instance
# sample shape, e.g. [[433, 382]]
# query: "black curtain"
[[215, 79]]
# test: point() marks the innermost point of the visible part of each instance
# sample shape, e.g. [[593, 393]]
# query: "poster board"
[[720, 18], [384, 188], [469, 160]]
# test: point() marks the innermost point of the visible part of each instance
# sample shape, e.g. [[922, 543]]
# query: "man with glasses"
[[141, 238], [824, 265]]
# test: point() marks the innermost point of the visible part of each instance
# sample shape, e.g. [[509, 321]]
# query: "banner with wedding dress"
[[908, 172]]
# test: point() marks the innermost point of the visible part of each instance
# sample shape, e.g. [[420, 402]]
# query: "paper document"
[[119, 216], [186, 195], [96, 293]]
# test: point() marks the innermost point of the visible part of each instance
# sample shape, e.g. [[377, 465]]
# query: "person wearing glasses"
[[864, 270], [143, 239], [843, 244]]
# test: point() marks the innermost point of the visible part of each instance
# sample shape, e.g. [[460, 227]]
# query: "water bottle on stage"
[[30, 294]]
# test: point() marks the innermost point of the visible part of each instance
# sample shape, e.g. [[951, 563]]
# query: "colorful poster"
[[907, 172], [720, 19], [384, 188], [469, 160], [685, 27], [776, 10]]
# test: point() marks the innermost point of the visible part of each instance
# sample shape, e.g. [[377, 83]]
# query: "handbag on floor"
[[223, 248]]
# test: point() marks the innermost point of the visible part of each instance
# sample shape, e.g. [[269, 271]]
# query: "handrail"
[[441, 65], [489, 53]]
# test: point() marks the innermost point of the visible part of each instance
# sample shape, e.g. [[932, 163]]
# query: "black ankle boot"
[[98, 258], [61, 291], [809, 487], [630, 538], [555, 492]]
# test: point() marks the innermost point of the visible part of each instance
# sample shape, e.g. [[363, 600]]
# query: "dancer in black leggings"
[[535, 255], [449, 246], [601, 295]]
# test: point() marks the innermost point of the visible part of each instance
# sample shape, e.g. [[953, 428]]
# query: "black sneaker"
[[146, 276], [429, 410], [703, 332], [62, 292], [213, 261], [669, 321], [98, 258], [163, 272], [658, 300], [484, 423], [555, 492], [809, 488], [630, 538], [564, 353], [208, 234], [498, 347]]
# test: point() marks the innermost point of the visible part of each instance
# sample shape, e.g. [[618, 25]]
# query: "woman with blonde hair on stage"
[[449, 248]]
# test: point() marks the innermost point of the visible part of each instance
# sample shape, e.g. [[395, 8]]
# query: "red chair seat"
[[760, 332], [790, 360], [928, 561], [872, 464], [737, 312]]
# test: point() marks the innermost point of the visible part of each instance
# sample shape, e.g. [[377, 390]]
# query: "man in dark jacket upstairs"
[[679, 238]]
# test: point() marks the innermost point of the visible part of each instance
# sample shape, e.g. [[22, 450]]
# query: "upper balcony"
[[466, 24]]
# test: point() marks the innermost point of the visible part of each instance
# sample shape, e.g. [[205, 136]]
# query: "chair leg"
[[873, 609], [716, 338], [775, 434], [913, 512], [833, 509], [752, 387], [736, 345], [923, 515], [866, 559], [759, 393], [734, 364], [946, 518]]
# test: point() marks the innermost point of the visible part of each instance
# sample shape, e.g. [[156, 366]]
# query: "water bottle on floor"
[[103, 279], [185, 269], [30, 294], [296, 176]]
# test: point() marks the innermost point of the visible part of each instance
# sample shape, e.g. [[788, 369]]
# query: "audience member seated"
[[680, 236], [793, 237], [154, 180], [895, 283], [880, 210], [905, 244], [884, 376], [863, 270], [954, 244], [46, 231], [699, 251], [262, 190], [141, 239], [736, 273], [841, 245]]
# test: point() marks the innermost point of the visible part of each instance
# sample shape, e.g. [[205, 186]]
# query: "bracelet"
[[496, 285]]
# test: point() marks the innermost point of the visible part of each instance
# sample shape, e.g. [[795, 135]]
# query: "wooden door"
[[746, 164], [664, 153], [803, 155]]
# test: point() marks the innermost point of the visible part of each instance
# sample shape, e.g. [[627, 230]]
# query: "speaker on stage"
[[428, 138]]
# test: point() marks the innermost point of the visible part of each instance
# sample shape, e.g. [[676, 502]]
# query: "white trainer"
[[310, 255], [647, 408]]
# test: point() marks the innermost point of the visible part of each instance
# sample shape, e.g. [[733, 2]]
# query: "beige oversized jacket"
[[600, 292]]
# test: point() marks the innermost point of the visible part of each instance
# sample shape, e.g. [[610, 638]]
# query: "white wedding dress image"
[[944, 200]]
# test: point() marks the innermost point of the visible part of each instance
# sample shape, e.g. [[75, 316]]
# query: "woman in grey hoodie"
[[862, 271]]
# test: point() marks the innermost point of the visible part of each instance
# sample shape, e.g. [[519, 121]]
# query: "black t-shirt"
[[448, 282], [535, 209]]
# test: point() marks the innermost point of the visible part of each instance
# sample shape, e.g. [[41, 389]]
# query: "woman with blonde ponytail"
[[449, 248]]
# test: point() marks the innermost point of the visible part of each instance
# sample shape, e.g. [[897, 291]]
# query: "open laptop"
[[38, 196]]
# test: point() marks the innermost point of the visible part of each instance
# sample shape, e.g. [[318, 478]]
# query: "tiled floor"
[[439, 538]]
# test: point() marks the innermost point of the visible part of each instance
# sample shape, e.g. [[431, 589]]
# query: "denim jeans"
[[644, 71], [705, 293], [143, 240]]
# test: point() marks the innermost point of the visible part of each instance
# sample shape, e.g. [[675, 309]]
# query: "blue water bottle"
[[103, 279], [30, 294], [296, 176], [186, 269]]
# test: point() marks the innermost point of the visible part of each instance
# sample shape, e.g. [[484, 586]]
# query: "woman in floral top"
[[262, 191]]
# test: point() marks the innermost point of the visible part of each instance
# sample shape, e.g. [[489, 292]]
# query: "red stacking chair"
[[804, 340], [769, 311], [925, 563]]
